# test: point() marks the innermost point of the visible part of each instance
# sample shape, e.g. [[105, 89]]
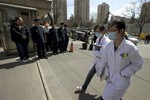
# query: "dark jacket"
[[38, 35], [53, 35], [17, 34], [62, 34]]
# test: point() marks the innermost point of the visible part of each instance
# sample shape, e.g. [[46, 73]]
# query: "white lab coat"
[[125, 61], [97, 54]]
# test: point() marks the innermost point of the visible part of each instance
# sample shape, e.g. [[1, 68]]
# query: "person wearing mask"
[[46, 31], [96, 32], [120, 60], [20, 35], [54, 38], [39, 38], [101, 41]]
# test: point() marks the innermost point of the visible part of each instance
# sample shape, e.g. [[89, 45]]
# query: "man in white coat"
[[101, 41], [121, 59]]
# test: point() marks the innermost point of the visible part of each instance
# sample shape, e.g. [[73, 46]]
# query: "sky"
[[116, 6]]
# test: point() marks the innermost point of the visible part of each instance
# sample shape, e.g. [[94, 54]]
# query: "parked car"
[[133, 39]]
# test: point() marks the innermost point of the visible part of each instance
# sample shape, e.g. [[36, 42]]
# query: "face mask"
[[97, 34], [112, 35]]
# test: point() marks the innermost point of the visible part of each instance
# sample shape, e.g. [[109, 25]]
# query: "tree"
[[56, 10], [90, 23], [139, 13], [72, 22]]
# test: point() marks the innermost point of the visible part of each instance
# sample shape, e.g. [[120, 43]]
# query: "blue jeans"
[[89, 77], [22, 50]]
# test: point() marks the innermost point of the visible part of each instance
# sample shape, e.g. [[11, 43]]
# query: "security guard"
[[39, 38]]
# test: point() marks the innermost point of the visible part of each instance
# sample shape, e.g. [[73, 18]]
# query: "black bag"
[[91, 45], [84, 46]]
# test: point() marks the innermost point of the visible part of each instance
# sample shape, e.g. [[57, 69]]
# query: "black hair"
[[102, 28], [97, 26], [120, 24]]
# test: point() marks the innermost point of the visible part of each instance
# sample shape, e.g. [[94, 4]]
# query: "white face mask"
[[97, 34], [112, 35]]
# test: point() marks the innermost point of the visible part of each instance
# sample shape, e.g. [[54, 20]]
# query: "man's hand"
[[24, 36]]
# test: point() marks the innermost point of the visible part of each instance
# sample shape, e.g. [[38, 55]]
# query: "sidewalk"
[[19, 80]]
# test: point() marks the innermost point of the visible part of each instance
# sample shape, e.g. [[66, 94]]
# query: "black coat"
[[61, 36], [53, 35], [38, 35], [17, 34]]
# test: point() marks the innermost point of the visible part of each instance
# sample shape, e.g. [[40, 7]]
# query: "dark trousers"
[[47, 45], [89, 77], [22, 50], [61, 43], [41, 50], [55, 47], [66, 45]]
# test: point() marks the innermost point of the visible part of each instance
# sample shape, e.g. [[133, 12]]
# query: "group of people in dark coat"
[[57, 39]]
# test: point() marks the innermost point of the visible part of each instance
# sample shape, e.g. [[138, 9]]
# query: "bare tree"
[[56, 10], [139, 13]]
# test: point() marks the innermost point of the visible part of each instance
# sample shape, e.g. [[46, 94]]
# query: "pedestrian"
[[121, 59], [46, 31], [86, 38], [53, 36], [101, 41], [39, 39], [62, 37], [67, 37], [96, 32], [20, 36]]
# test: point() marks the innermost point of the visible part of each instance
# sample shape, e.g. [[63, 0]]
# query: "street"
[[61, 74]]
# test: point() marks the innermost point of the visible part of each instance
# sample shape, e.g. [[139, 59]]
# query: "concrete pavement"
[[57, 77], [19, 80]]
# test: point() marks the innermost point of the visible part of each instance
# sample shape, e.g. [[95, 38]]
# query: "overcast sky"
[[116, 6]]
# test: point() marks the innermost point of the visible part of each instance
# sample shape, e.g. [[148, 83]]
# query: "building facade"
[[27, 9], [81, 11], [144, 15], [103, 13]]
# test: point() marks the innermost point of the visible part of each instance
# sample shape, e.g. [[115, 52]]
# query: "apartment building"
[[103, 13], [81, 11]]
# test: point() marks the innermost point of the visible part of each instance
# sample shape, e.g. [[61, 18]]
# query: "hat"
[[36, 20]]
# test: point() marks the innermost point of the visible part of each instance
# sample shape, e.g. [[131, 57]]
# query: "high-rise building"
[[103, 13], [60, 10], [81, 11], [144, 15]]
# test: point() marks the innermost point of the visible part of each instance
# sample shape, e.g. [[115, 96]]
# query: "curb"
[[54, 90]]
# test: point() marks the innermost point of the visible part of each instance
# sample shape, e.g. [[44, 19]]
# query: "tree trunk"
[[140, 31], [50, 17]]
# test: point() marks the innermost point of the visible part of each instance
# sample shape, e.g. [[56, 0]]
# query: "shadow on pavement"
[[87, 96], [3, 56], [15, 64]]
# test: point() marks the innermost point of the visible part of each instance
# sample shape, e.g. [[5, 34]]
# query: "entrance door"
[[26, 18]]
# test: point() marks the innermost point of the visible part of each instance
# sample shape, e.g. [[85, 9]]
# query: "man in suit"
[[20, 35], [62, 37], [53, 36], [39, 39]]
